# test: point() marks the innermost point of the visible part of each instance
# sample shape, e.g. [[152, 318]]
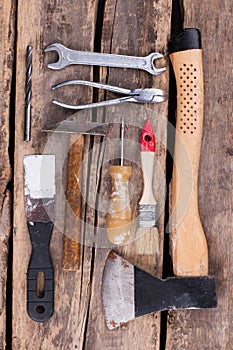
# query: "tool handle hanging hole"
[[148, 138], [40, 309]]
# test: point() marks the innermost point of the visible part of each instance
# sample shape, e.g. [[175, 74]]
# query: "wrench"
[[68, 57]]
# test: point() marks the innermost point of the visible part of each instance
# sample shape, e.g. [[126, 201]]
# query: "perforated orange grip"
[[119, 214], [188, 242]]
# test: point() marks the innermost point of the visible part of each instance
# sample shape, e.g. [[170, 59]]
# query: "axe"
[[129, 292]]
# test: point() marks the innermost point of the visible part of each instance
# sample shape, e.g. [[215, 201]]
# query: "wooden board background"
[[134, 28], [7, 37]]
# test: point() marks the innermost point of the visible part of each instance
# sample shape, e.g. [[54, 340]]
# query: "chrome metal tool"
[[137, 95], [68, 57]]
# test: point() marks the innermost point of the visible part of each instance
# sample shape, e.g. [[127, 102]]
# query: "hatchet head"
[[129, 292]]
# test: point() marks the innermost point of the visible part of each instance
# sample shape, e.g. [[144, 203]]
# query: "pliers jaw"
[[150, 95]]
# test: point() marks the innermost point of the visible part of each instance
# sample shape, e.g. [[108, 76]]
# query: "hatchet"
[[128, 291]]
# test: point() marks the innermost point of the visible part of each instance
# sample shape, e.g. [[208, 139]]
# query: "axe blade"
[[129, 292]]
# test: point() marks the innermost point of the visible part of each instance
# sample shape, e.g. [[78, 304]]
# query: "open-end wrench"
[[68, 57]]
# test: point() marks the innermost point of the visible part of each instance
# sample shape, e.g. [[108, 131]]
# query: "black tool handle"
[[40, 304]]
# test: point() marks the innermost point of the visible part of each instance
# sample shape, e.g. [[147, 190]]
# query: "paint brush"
[[147, 205], [39, 190]]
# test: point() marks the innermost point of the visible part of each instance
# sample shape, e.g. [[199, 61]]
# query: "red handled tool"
[[147, 205]]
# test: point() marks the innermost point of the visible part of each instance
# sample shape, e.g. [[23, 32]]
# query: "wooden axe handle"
[[71, 238], [189, 247]]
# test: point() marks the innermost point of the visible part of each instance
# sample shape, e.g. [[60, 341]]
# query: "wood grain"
[[5, 231], [73, 24], [71, 237], [212, 329], [132, 28], [7, 37], [188, 242]]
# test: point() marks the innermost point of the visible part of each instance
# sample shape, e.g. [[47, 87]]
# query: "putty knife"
[[39, 177]]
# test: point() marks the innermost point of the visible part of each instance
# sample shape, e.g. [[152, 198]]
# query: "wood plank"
[[7, 36], [72, 23], [211, 329], [133, 29]]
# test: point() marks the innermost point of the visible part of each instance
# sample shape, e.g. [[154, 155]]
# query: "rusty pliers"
[[149, 95]]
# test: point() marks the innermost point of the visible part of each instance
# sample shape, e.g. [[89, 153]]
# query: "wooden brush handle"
[[71, 238], [119, 215], [189, 247], [147, 162]]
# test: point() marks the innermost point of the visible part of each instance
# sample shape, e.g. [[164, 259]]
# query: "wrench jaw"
[[151, 68], [59, 49]]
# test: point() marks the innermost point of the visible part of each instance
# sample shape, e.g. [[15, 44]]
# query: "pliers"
[[137, 95]]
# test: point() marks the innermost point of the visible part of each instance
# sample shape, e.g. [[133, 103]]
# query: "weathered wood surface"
[[212, 329], [78, 321], [124, 31], [135, 28], [72, 23], [7, 35]]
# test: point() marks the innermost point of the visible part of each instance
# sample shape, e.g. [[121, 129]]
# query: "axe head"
[[129, 292]]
